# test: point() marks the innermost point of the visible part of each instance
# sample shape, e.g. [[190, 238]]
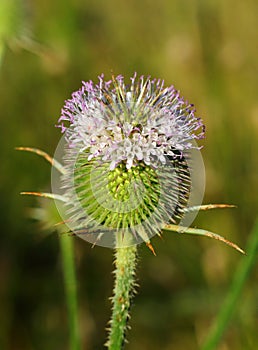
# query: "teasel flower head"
[[127, 158]]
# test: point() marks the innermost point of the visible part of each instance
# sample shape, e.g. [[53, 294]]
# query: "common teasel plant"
[[123, 172]]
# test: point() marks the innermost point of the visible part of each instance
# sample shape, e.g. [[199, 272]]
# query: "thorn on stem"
[[149, 245]]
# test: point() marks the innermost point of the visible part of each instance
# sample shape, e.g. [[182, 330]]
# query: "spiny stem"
[[125, 263], [67, 250]]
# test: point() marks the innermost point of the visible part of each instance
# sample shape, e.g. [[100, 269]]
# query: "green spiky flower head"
[[127, 153]]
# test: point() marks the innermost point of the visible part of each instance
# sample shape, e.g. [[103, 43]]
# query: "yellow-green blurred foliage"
[[208, 50]]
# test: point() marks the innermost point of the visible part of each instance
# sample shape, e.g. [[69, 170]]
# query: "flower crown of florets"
[[139, 122]]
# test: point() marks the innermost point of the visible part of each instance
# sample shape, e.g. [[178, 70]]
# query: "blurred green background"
[[209, 51]]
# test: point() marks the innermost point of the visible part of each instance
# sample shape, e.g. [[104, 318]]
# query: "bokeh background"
[[208, 49]]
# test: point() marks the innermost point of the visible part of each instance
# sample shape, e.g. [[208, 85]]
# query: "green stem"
[[67, 249], [232, 298], [125, 263]]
